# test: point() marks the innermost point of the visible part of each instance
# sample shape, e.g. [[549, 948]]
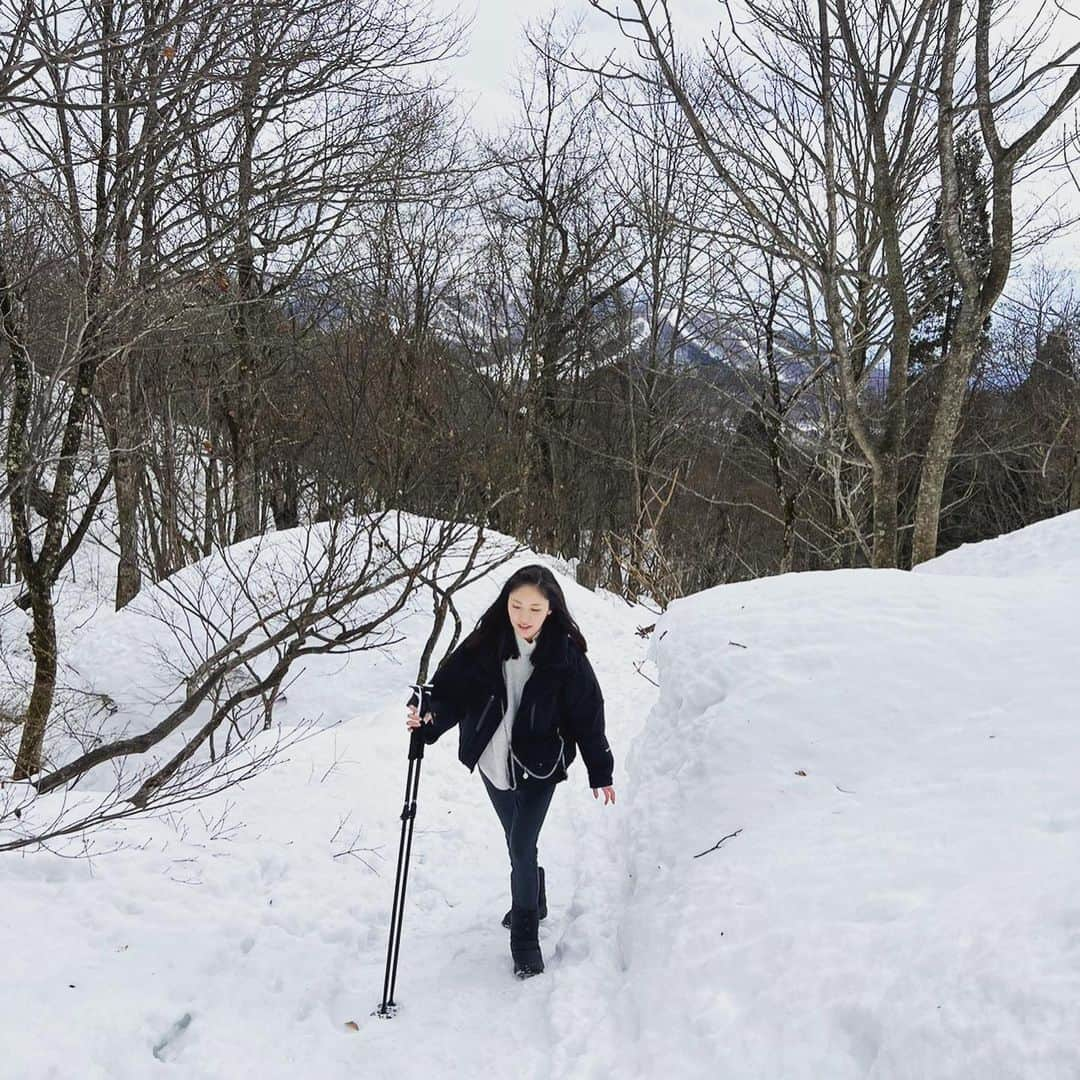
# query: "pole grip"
[[421, 699]]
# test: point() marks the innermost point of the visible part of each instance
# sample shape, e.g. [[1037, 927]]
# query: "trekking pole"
[[420, 698]]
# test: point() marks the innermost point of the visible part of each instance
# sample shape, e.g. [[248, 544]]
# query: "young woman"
[[525, 700]]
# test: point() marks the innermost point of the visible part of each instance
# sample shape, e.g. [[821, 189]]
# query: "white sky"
[[494, 46], [495, 43]]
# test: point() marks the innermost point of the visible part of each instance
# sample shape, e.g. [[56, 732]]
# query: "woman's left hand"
[[609, 794]]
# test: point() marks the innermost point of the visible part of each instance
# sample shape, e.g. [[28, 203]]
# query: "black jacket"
[[561, 709]]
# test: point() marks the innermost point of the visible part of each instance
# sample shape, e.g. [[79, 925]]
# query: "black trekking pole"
[[420, 698]]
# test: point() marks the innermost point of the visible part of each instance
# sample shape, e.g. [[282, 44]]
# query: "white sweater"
[[495, 760]]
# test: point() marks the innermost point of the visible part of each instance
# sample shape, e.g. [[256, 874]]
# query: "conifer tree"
[[938, 287]]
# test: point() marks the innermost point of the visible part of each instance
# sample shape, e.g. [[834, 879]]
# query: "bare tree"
[[1010, 80], [182, 153], [232, 630], [656, 175], [815, 126], [560, 261], [444, 587], [90, 143], [322, 124]]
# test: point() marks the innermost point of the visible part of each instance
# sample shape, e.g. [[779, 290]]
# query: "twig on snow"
[[718, 843], [637, 668]]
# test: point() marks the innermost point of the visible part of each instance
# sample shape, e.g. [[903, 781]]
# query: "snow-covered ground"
[[895, 754]]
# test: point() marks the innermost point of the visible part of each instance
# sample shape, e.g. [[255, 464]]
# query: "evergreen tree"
[[937, 287]]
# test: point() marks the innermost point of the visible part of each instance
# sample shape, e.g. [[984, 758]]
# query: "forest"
[[703, 311]]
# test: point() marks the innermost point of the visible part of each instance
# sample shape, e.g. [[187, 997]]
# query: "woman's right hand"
[[413, 721]]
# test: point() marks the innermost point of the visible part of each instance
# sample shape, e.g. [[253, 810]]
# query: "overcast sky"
[[495, 43], [494, 47]]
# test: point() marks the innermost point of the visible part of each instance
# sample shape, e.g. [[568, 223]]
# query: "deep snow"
[[908, 908]]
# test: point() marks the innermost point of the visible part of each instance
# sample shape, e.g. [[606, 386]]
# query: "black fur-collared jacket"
[[561, 709]]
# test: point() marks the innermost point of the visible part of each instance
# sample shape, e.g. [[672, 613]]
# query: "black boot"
[[542, 904], [525, 942]]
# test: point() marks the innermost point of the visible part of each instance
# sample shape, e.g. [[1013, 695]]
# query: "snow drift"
[[897, 754]]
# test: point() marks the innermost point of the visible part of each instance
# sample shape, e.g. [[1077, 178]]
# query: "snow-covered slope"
[[1049, 548], [898, 756], [237, 940], [895, 753]]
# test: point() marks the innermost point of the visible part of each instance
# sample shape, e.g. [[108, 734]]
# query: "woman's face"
[[528, 608]]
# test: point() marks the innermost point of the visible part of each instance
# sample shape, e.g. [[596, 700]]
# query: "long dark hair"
[[494, 630]]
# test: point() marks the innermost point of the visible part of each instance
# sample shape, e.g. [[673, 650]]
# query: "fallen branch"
[[718, 843], [637, 668]]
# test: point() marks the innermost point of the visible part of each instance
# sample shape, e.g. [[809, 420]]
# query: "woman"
[[525, 700]]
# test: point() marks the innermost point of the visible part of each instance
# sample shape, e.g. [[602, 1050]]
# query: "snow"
[[907, 908], [1047, 548]]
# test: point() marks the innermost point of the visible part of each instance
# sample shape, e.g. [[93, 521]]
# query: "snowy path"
[[222, 950], [462, 1012]]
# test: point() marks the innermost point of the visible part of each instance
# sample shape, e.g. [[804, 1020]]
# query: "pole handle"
[[421, 699]]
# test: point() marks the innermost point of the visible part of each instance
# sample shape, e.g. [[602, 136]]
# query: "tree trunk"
[[126, 484], [886, 488], [43, 644], [544, 497], [209, 485], [285, 496], [952, 393], [127, 467], [176, 549], [39, 573], [787, 557], [245, 474]]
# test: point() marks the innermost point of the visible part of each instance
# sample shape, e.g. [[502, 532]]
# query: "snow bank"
[[123, 671], [897, 757], [1047, 548]]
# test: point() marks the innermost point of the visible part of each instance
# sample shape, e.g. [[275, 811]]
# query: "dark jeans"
[[522, 814]]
